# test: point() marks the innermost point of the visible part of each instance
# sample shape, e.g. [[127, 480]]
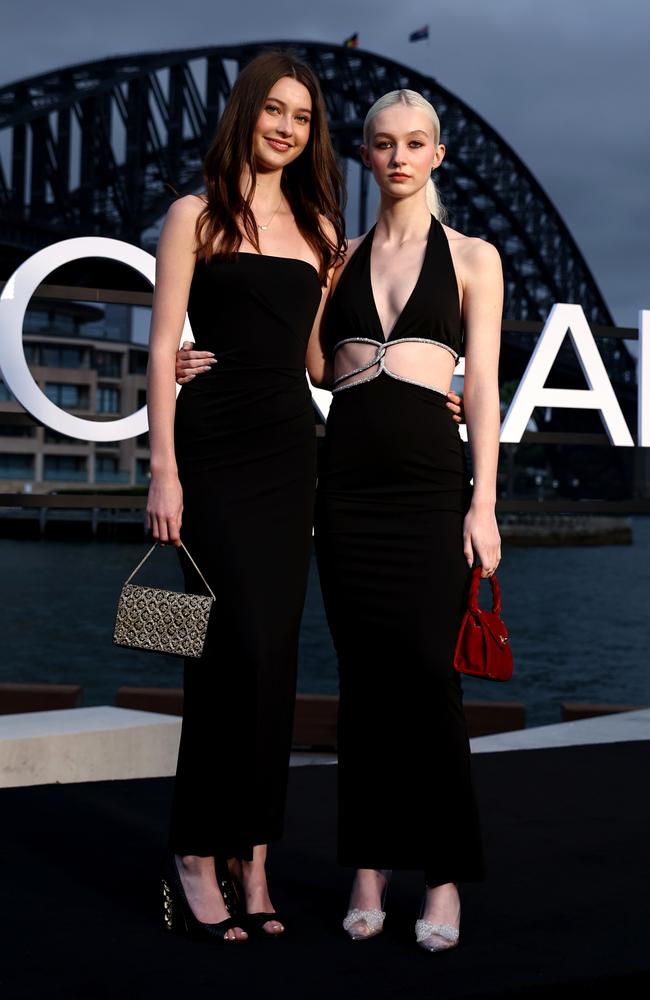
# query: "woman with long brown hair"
[[234, 460]]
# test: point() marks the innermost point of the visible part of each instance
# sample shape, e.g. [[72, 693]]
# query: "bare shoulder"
[[474, 254], [186, 210], [178, 234]]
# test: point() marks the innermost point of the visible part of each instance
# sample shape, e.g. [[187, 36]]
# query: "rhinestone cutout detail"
[[373, 918], [424, 930]]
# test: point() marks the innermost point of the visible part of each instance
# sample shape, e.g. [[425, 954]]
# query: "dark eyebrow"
[[277, 100], [415, 131]]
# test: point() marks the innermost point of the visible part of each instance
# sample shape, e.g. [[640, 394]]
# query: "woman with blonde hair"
[[398, 525]]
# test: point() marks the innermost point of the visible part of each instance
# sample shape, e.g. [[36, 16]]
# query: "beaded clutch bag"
[[162, 621]]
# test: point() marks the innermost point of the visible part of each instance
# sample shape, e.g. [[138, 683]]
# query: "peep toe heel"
[[177, 912]]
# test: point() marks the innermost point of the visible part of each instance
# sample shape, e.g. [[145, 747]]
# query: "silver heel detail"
[[435, 937], [424, 932]]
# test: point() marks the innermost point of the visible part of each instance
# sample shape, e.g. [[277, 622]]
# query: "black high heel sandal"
[[254, 924], [177, 912], [251, 922]]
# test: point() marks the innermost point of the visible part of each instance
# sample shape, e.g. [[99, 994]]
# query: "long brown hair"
[[312, 183]]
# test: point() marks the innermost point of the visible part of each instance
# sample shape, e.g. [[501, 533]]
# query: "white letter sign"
[[13, 364], [532, 390], [643, 379]]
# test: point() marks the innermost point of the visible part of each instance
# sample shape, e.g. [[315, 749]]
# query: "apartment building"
[[84, 358]]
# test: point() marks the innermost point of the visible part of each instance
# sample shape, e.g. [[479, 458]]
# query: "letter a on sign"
[[532, 390]]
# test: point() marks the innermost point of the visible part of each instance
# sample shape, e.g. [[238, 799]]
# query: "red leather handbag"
[[482, 647]]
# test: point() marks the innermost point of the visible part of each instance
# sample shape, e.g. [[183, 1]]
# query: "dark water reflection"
[[578, 619]]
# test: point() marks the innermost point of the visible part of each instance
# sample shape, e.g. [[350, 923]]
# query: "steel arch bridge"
[[93, 148]]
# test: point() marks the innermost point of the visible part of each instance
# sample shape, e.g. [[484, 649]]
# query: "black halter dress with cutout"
[[392, 493]]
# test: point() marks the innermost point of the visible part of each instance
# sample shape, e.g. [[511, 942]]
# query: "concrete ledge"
[[86, 744], [106, 743], [617, 728]]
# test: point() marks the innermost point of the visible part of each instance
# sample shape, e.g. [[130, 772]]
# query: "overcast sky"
[[565, 82]]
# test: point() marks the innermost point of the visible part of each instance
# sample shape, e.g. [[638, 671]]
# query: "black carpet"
[[564, 910]]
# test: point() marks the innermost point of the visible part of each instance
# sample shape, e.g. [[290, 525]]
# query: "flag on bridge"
[[351, 42], [417, 36]]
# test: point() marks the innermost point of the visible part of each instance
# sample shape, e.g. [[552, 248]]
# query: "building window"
[[61, 357], [63, 323], [37, 320], [108, 399], [138, 362], [106, 463], [16, 466], [17, 430], [5, 395], [53, 437], [69, 468], [108, 364], [74, 397], [107, 470], [142, 398], [142, 470]]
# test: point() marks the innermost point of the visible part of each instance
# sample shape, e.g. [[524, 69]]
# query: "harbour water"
[[578, 618]]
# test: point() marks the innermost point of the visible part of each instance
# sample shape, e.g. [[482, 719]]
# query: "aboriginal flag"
[[351, 42], [417, 36]]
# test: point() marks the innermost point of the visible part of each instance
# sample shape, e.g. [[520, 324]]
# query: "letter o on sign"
[[13, 364]]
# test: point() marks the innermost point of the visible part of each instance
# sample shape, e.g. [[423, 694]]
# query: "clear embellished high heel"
[[363, 924], [435, 937]]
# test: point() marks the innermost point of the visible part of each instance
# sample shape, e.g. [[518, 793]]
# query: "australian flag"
[[417, 36]]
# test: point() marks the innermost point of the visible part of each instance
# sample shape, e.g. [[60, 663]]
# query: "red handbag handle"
[[473, 592]]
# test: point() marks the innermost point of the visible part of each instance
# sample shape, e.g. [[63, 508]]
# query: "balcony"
[[112, 476], [65, 476]]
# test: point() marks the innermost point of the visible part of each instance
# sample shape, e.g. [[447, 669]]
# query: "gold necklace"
[[264, 228]]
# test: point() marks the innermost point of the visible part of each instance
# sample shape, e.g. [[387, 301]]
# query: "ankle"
[[445, 889], [370, 878], [253, 873], [194, 864]]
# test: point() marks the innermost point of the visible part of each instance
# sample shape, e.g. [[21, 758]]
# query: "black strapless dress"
[[245, 447], [393, 490]]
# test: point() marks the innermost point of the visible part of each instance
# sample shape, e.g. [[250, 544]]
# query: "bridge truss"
[[96, 149]]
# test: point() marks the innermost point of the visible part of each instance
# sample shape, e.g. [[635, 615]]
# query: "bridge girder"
[[95, 148]]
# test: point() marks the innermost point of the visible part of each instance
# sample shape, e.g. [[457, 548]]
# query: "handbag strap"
[[154, 546], [473, 592]]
